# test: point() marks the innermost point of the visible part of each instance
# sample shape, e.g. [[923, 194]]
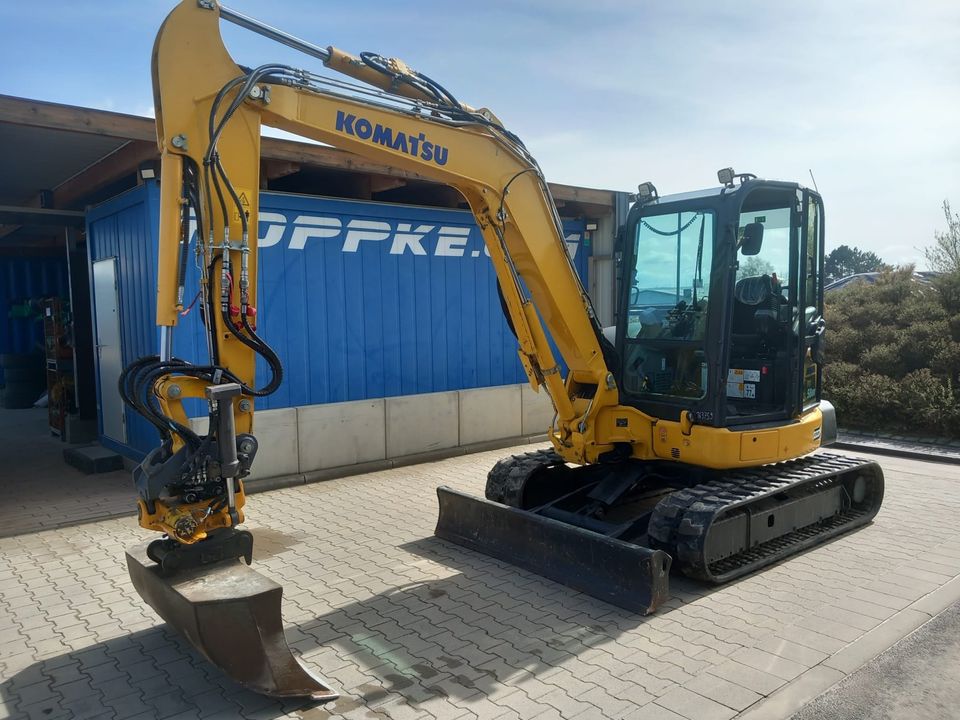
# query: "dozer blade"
[[231, 614], [633, 577]]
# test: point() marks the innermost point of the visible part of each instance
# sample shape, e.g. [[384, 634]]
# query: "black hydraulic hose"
[[215, 129], [416, 79], [141, 393], [184, 245], [144, 374], [212, 124], [244, 220], [212, 177], [123, 386], [248, 81], [261, 348], [255, 343], [193, 189], [127, 384], [505, 310], [439, 89], [147, 380], [135, 385], [273, 361], [211, 325], [218, 174]]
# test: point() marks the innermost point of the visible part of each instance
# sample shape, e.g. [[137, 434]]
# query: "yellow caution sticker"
[[244, 194]]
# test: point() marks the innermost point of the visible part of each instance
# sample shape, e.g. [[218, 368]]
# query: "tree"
[[846, 260], [944, 255], [893, 354], [754, 267]]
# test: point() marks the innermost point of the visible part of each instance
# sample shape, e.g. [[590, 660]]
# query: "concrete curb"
[[896, 452], [131, 513], [813, 683], [284, 481], [253, 487]]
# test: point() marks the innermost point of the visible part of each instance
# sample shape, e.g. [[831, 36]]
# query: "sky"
[[612, 93]]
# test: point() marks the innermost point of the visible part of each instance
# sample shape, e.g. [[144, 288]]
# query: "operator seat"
[[755, 305]]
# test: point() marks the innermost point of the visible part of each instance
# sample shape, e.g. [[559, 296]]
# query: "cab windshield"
[[668, 303], [773, 259]]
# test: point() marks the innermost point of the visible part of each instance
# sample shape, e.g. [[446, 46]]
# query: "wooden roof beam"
[[35, 113], [105, 171]]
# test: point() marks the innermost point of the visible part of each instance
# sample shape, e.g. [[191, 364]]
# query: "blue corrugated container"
[[23, 278], [126, 228], [359, 299]]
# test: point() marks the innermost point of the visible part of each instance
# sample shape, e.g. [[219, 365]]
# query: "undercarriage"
[[566, 522]]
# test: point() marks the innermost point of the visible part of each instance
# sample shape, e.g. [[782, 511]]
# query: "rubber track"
[[680, 522], [505, 481]]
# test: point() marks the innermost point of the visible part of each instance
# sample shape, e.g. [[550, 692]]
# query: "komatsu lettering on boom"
[[415, 145]]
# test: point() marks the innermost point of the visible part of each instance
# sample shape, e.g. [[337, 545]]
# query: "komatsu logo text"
[[414, 145]]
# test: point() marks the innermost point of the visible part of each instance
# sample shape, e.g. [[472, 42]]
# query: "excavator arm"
[[209, 114]]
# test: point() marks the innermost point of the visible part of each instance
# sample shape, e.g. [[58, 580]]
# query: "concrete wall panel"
[[536, 410], [277, 451], [341, 434], [316, 438], [489, 414], [421, 423]]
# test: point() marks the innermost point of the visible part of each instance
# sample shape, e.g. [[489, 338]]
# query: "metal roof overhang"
[[40, 217], [63, 157]]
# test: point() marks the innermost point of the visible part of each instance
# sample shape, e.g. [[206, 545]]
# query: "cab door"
[[811, 324]]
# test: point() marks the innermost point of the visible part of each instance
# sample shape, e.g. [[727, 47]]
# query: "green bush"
[[893, 354]]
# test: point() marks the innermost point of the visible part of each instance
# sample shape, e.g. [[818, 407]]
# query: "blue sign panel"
[[362, 300]]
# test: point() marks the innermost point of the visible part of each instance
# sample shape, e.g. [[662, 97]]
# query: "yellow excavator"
[[684, 436]]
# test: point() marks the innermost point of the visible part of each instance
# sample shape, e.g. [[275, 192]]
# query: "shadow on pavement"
[[150, 673], [453, 638]]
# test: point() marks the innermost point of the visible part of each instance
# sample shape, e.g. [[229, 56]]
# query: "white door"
[[109, 352]]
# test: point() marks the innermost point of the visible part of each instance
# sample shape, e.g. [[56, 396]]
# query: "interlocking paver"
[[652, 712], [769, 663], [411, 627], [779, 647], [809, 638], [830, 628], [693, 706], [723, 691], [748, 677]]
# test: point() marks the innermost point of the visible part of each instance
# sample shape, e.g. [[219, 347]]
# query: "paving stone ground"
[[40, 491], [408, 626], [916, 678]]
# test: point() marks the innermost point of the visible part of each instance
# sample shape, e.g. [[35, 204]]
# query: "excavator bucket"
[[231, 614], [630, 576]]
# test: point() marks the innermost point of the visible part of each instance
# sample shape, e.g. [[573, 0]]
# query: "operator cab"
[[721, 302]]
